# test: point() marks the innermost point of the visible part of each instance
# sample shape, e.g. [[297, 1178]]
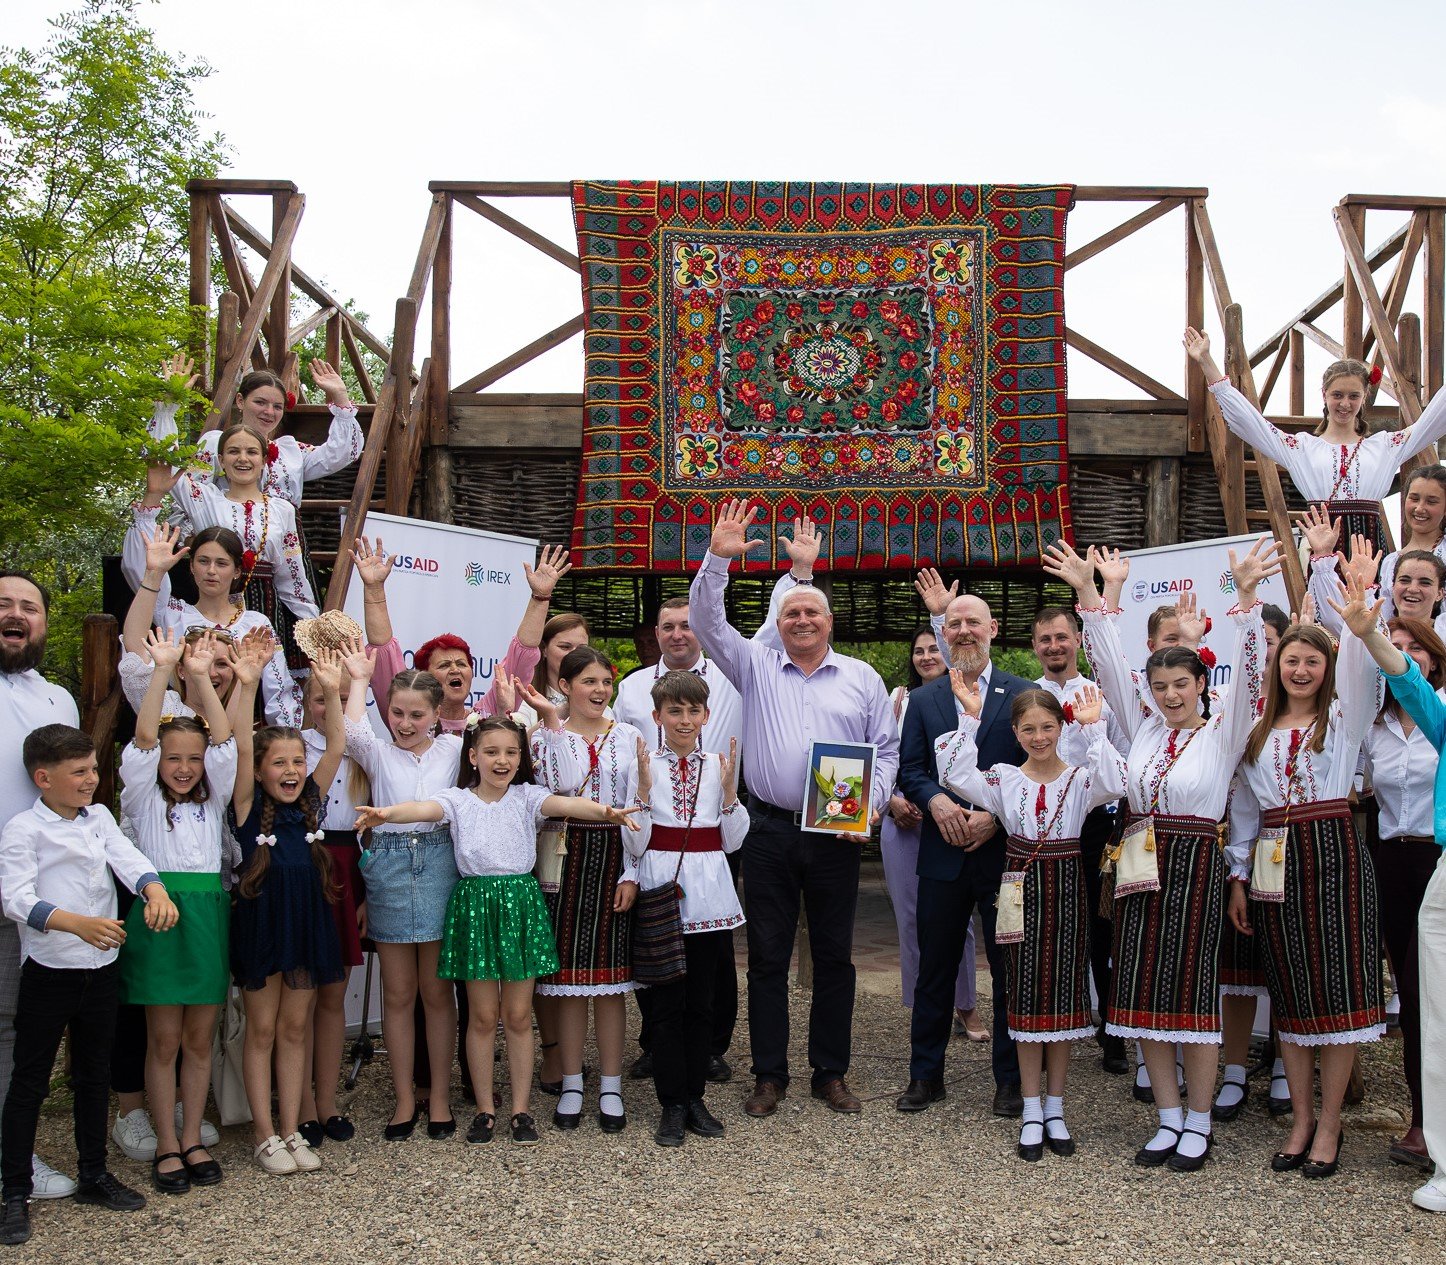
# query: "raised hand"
[[253, 654], [327, 667], [1197, 344], [1191, 617], [164, 652], [160, 479], [1365, 560], [179, 372], [967, 693], [728, 771], [373, 564], [929, 585], [329, 383], [552, 565], [545, 708], [356, 662], [1262, 562], [506, 693], [803, 548], [198, 657], [1321, 533], [645, 772], [161, 551], [1088, 705], [1061, 561], [1113, 566], [730, 530], [1307, 612], [1358, 614]]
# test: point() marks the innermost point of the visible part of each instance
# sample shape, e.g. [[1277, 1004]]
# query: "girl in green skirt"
[[178, 773], [497, 935]]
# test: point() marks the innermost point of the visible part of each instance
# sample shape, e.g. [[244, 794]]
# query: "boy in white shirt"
[[53, 882]]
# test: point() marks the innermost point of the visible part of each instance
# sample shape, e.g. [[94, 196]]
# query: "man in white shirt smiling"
[[27, 701]]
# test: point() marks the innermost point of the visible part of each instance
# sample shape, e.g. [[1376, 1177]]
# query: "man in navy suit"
[[961, 855]]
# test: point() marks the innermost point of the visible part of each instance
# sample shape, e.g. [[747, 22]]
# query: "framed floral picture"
[[839, 785]]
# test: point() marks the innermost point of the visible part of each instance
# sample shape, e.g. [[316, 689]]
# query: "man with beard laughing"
[[27, 701]]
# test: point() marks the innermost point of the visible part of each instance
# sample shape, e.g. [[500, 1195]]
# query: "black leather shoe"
[[339, 1129], [1285, 1161], [483, 1128], [1008, 1102], [670, 1126], [110, 1193], [15, 1222], [702, 1121], [642, 1068], [607, 1123], [1191, 1163], [1145, 1157], [1030, 1151], [172, 1183], [438, 1130], [1114, 1059], [719, 1072], [567, 1122], [401, 1131], [1063, 1147], [1316, 1170], [921, 1093], [202, 1172]]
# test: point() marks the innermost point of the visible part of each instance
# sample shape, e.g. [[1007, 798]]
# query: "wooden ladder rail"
[[1227, 451]]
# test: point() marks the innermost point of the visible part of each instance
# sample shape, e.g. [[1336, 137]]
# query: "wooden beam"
[[1112, 362], [427, 250], [1400, 278], [279, 323], [1321, 339], [1214, 269], [1433, 333], [1352, 326], [1162, 502], [1195, 391], [504, 188], [100, 695], [333, 339], [441, 354], [524, 355], [251, 323], [1297, 371], [209, 185], [1135, 193], [228, 330], [1365, 284], [1276, 366], [198, 239], [359, 367], [322, 315], [1227, 456], [1392, 201], [529, 235]]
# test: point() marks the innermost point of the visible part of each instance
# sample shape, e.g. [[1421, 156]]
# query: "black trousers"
[[725, 992], [128, 1050], [1402, 871], [1094, 835], [682, 1020], [52, 1000], [944, 910], [785, 866]]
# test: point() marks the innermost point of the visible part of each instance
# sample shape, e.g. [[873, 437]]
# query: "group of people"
[[525, 861]]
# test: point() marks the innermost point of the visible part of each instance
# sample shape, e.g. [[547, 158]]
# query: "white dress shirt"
[[178, 838], [634, 704], [398, 776], [496, 838], [338, 807], [49, 862], [1402, 771], [1074, 742]]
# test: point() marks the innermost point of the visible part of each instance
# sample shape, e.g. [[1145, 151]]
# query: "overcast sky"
[[1279, 109]]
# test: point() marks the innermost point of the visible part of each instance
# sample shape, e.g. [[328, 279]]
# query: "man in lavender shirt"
[[792, 696]]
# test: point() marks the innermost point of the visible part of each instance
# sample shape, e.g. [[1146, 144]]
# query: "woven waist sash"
[[1370, 508], [1018, 849], [1275, 818], [674, 839], [1177, 825]]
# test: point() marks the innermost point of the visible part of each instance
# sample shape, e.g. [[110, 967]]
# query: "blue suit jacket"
[[932, 713]]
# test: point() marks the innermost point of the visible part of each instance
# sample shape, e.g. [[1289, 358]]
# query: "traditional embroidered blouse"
[[398, 776], [605, 770], [1324, 584], [135, 678], [178, 838], [1074, 742], [495, 838], [1029, 809], [1179, 772]]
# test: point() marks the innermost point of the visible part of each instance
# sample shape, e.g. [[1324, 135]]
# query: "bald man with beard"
[[961, 855]]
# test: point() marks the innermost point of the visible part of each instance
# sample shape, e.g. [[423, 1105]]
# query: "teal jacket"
[[1426, 708]]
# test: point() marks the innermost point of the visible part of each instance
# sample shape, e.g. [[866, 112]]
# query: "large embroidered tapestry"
[[888, 359]]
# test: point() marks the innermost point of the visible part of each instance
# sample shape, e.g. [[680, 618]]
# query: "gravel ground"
[[944, 1185]]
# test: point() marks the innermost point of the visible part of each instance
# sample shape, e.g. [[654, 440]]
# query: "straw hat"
[[328, 631]]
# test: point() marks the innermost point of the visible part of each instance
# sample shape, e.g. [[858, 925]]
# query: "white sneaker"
[[133, 1134], [209, 1135], [307, 1160], [48, 1184], [1431, 1196], [274, 1158]]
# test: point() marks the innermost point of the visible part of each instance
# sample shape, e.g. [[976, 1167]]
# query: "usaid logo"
[[420, 565], [1145, 589]]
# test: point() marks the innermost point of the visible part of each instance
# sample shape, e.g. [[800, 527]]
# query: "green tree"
[[99, 131]]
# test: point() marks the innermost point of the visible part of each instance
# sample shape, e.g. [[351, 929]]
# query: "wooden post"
[[1434, 331], [199, 297], [228, 330], [441, 355], [1195, 317], [1162, 502], [100, 695], [1408, 341], [1353, 310], [333, 341], [1297, 373], [278, 329]]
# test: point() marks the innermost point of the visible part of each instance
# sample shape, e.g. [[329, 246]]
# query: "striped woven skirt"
[[594, 943], [1166, 945], [1359, 517], [1241, 972], [1046, 972], [1321, 945]]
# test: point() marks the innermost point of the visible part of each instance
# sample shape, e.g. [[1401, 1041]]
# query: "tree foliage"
[[99, 131]]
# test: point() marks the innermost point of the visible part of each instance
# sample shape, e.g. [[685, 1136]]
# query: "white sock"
[[1031, 1129], [1277, 1077], [1054, 1117], [1191, 1144], [570, 1104], [610, 1096], [1164, 1140], [1142, 1073], [1232, 1091]]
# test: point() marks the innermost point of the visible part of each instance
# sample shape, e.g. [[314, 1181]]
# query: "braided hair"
[[311, 807], [1180, 657]]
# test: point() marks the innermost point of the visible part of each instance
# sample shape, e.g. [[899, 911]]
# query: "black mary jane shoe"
[[524, 1129], [1031, 1151], [176, 1183], [484, 1127], [402, 1130], [1191, 1163], [1147, 1158], [339, 1129], [566, 1121], [440, 1130], [1232, 1112], [203, 1172], [608, 1123], [312, 1133], [1285, 1161], [1063, 1147], [1316, 1170]]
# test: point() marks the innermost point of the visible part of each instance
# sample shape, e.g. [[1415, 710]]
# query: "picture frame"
[[838, 788]]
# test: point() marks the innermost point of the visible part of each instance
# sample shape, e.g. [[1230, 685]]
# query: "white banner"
[[1159, 576], [451, 579]]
